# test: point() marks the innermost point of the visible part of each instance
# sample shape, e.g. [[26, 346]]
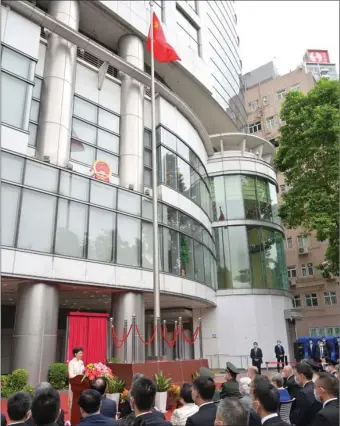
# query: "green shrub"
[[57, 375], [14, 382], [28, 388], [3, 381]]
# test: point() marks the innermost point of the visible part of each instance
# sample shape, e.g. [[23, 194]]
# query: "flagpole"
[[156, 290]]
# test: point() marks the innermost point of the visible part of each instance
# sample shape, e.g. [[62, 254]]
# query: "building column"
[[56, 106], [124, 306], [36, 330], [131, 117]]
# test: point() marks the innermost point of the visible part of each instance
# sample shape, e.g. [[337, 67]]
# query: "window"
[[187, 31], [129, 202], [289, 242], [302, 241], [283, 188], [253, 105], [296, 88], [95, 135], [147, 245], [34, 115], [291, 271], [282, 123], [128, 240], [255, 127], [270, 122], [330, 298], [265, 100], [147, 158], [281, 94], [311, 300], [17, 81], [307, 269], [9, 213], [297, 302], [102, 235]]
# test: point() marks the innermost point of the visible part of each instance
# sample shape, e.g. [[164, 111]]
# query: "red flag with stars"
[[162, 50]]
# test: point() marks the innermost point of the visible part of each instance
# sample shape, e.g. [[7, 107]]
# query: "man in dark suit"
[[231, 387], [231, 411], [46, 407], [3, 420], [19, 408], [41, 386], [321, 352], [280, 355], [266, 401], [289, 381], [311, 348], [203, 390], [256, 356], [336, 347], [327, 390], [108, 407], [89, 402], [306, 404]]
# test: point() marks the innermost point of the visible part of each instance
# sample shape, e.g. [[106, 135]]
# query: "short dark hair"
[[266, 394], [329, 383], [76, 350], [185, 393], [46, 406], [143, 392], [255, 343], [304, 369], [18, 405], [205, 386], [90, 400], [99, 384]]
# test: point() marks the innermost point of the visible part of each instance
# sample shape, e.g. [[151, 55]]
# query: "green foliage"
[[14, 382], [184, 251], [57, 375], [114, 360], [308, 155], [162, 383], [114, 385], [29, 389]]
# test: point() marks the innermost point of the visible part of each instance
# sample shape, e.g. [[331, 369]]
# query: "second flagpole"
[[156, 289]]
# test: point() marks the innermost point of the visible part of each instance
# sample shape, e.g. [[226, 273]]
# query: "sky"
[[283, 30]]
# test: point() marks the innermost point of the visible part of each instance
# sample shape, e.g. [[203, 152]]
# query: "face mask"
[[255, 346], [316, 396], [279, 343]]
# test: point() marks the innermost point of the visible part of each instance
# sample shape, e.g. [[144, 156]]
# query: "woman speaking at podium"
[[75, 368]]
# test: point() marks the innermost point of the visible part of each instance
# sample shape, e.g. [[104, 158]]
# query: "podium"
[[78, 385]]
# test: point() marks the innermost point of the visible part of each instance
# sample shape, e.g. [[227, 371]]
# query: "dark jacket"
[[230, 389], [3, 420], [328, 416], [279, 352], [59, 422], [129, 420], [254, 418], [306, 406], [151, 419], [258, 355], [277, 421], [292, 386], [108, 408], [205, 416], [97, 419], [310, 351], [317, 353]]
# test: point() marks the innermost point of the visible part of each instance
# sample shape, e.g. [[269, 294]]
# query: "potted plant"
[[173, 395], [162, 388], [114, 388]]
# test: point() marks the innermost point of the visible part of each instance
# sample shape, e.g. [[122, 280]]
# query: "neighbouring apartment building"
[[317, 298]]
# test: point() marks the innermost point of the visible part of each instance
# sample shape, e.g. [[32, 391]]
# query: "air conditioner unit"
[[303, 250]]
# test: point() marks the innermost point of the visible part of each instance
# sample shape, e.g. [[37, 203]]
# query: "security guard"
[[231, 386]]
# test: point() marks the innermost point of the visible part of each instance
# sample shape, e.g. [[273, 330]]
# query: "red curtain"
[[96, 349], [88, 330]]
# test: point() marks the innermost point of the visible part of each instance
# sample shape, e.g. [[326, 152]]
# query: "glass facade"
[[181, 169], [244, 197], [250, 257], [50, 210]]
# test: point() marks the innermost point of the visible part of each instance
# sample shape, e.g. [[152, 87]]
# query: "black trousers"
[[280, 359], [257, 364]]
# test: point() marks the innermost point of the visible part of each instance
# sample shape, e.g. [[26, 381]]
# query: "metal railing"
[[219, 361]]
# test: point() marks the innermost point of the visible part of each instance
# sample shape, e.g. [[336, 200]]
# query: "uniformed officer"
[[231, 386]]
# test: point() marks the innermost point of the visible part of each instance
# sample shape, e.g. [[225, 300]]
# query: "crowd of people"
[[303, 396]]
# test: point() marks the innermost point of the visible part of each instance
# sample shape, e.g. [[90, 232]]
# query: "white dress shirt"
[[75, 368], [270, 416], [180, 415], [326, 402]]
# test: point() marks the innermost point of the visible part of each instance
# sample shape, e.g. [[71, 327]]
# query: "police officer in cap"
[[231, 386]]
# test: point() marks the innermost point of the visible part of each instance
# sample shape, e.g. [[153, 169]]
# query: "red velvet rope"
[[124, 338], [141, 338], [194, 337], [165, 336]]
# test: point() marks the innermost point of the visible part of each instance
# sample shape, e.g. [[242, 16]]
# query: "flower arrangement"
[[94, 370], [195, 375], [174, 391], [162, 382], [114, 385]]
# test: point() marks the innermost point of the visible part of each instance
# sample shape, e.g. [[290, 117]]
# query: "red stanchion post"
[[200, 337], [176, 347], [126, 341]]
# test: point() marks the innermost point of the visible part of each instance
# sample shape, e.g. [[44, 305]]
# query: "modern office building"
[[316, 298], [75, 90]]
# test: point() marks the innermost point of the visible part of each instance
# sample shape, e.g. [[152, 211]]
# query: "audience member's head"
[[245, 385], [231, 412], [89, 402], [99, 384], [287, 371], [277, 380], [326, 387], [252, 371], [19, 407], [46, 406], [78, 352], [143, 395], [265, 396], [136, 377], [203, 390], [231, 372], [304, 373], [42, 385], [185, 394], [331, 365]]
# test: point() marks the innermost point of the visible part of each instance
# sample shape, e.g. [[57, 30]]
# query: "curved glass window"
[[244, 197], [250, 257]]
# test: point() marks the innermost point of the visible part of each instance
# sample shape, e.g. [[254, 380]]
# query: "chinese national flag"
[[162, 50]]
